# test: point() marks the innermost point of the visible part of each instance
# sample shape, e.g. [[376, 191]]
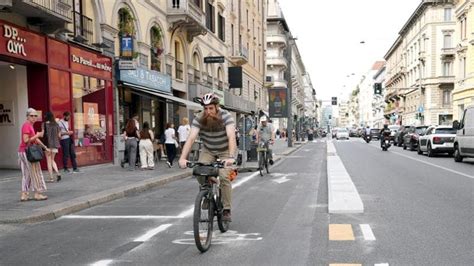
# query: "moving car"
[[375, 133], [410, 139], [393, 131], [342, 133], [438, 139], [464, 140]]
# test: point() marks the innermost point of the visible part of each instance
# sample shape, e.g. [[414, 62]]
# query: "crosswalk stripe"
[[367, 232], [341, 232], [344, 264]]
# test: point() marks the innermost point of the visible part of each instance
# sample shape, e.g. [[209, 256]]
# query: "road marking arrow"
[[281, 180]]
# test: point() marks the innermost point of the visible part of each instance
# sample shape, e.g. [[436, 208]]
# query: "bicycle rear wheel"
[[266, 164], [223, 225], [203, 221], [261, 162]]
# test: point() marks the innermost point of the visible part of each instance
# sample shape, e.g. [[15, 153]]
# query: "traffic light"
[[334, 100], [378, 88]]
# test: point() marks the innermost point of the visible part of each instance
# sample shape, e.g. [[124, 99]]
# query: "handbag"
[[176, 144], [34, 153]]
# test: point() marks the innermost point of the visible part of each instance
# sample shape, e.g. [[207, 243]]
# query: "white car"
[[342, 133], [464, 142], [437, 139]]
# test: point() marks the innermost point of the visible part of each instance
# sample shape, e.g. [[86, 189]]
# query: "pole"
[[290, 92]]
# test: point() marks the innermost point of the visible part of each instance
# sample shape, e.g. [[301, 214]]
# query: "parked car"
[[410, 139], [342, 133], [353, 132], [375, 133], [334, 132], [437, 139], [398, 139], [464, 140], [393, 131]]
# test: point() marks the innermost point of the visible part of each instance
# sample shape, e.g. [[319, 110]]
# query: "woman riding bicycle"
[[216, 129]]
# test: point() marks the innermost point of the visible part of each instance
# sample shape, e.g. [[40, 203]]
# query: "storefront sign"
[[127, 65], [6, 113], [278, 100], [151, 79], [20, 43], [126, 46], [88, 62]]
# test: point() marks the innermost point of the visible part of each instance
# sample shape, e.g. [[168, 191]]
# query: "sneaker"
[[66, 170], [226, 216], [76, 171], [271, 162], [168, 163], [205, 204]]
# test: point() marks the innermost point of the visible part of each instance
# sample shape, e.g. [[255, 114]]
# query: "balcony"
[[83, 28], [49, 14], [446, 80], [422, 56], [238, 103], [448, 52], [276, 39], [280, 83], [188, 16], [240, 56], [277, 61]]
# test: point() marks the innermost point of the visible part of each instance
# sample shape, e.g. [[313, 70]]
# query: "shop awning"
[[191, 105]]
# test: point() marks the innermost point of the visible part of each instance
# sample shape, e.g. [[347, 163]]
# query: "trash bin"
[[310, 137]]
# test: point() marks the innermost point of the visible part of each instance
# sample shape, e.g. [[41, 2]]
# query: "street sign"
[[127, 65], [213, 59]]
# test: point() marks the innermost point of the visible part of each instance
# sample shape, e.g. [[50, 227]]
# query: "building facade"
[[50, 59], [463, 94], [420, 77]]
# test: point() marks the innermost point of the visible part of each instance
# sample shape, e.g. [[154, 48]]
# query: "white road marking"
[[367, 232], [138, 217], [381, 264], [431, 164], [221, 238], [152, 233], [102, 263]]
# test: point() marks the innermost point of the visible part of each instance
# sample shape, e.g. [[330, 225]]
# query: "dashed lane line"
[[341, 232], [152, 233], [367, 232]]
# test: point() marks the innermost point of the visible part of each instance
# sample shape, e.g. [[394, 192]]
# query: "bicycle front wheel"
[[203, 221], [266, 164], [261, 162], [223, 225]]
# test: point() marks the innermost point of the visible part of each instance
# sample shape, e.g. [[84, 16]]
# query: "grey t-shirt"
[[265, 133], [218, 140]]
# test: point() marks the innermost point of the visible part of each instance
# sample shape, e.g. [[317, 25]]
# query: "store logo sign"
[[88, 62], [15, 44]]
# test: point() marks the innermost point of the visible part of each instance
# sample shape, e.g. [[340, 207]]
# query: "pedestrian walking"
[[51, 140], [131, 142], [67, 143], [31, 171], [183, 131], [146, 148], [170, 143]]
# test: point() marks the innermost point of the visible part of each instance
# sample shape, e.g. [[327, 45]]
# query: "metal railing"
[[179, 70], [83, 26], [60, 7]]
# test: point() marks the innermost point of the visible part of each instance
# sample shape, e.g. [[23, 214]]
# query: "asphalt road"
[[418, 214]]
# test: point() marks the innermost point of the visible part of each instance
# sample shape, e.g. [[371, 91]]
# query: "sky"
[[329, 35]]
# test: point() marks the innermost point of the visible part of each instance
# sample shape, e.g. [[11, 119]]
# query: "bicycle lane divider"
[[343, 196]]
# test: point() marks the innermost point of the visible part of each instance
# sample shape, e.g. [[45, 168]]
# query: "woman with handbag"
[[30, 155], [146, 148], [52, 135], [131, 143], [170, 143]]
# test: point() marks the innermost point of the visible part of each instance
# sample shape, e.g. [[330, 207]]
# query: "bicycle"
[[208, 203], [262, 151]]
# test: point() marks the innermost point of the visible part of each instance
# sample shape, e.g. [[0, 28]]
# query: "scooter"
[[386, 144], [367, 138]]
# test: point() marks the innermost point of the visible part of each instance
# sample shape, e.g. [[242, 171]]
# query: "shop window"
[[89, 115]]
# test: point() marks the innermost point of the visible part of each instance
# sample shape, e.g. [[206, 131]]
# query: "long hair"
[[131, 128], [145, 132], [49, 117]]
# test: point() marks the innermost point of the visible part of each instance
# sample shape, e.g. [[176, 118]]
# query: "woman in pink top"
[[31, 171]]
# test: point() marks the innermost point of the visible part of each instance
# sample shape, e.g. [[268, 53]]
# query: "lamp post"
[[291, 42]]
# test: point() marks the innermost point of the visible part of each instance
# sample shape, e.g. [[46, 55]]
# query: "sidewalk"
[[93, 186]]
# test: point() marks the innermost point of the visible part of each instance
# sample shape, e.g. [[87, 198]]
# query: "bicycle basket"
[[261, 149], [205, 171]]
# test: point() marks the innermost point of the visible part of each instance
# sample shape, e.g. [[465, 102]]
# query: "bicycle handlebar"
[[217, 164]]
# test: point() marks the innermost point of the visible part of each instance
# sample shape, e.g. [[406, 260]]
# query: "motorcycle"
[[367, 138], [386, 144]]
